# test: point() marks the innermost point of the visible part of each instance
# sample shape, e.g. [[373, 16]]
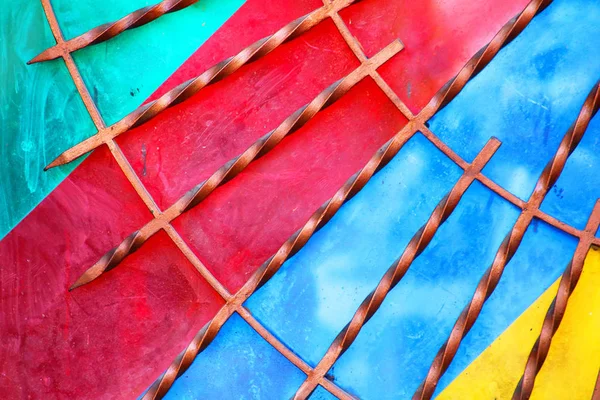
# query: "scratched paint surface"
[[42, 114]]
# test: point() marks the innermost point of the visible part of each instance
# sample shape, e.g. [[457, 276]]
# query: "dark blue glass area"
[[397, 346], [573, 196], [529, 95], [317, 291], [238, 364]]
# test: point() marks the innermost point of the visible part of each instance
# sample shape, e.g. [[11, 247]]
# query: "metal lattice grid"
[[472, 171]]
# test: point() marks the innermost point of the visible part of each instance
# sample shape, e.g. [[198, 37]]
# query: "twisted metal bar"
[[319, 218], [212, 75], [232, 168], [109, 30], [397, 270], [509, 246], [557, 309], [506, 34], [355, 46]]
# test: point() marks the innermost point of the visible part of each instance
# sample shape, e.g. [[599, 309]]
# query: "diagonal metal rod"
[[356, 48], [288, 353], [509, 246], [212, 75], [397, 270], [272, 265], [238, 164], [328, 210], [557, 309], [109, 30]]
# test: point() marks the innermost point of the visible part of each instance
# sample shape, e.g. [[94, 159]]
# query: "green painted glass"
[[41, 113], [122, 72]]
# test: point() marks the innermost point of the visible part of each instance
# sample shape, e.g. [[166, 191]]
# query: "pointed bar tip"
[[50, 53], [58, 161], [87, 277]]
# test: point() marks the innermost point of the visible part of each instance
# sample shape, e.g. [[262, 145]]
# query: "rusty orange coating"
[[596, 394], [509, 246], [272, 265], [326, 212]]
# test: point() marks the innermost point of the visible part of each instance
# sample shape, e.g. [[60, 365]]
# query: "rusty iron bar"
[[397, 270], [356, 48], [189, 88], [120, 157], [272, 265], [288, 353], [499, 190], [109, 30], [183, 247], [509, 246], [232, 168], [326, 212], [557, 309]]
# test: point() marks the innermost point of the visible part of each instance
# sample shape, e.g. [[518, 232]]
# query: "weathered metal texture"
[[212, 75], [232, 168], [272, 265], [349, 189], [325, 212], [109, 30], [443, 97], [509, 246], [557, 309], [397, 270]]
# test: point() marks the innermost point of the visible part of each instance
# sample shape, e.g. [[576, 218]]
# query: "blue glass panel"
[[397, 346], [321, 394], [576, 191], [538, 263], [529, 95], [317, 291], [238, 364]]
